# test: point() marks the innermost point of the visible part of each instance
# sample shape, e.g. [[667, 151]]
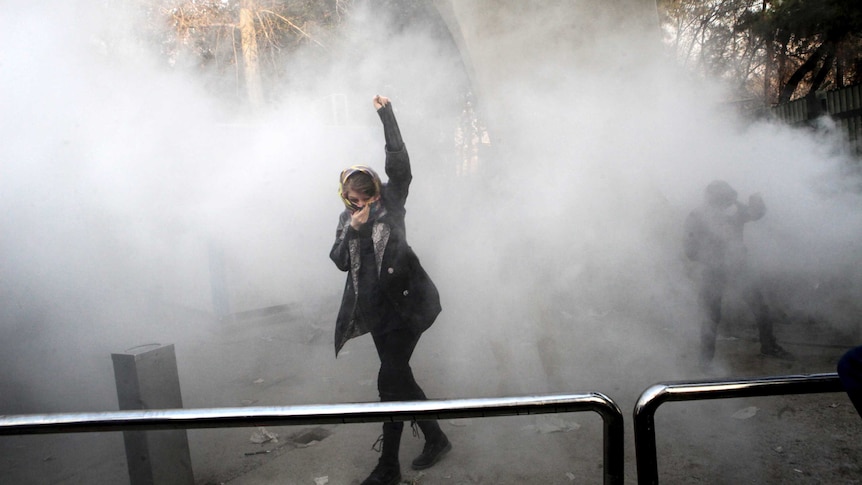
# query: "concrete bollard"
[[147, 378]]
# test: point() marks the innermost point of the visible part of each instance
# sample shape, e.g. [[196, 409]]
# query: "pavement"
[[487, 450], [286, 358]]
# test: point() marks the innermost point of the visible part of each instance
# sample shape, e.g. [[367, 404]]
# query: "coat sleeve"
[[397, 160], [340, 253]]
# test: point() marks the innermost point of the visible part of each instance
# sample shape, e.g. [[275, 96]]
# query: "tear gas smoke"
[[559, 260]]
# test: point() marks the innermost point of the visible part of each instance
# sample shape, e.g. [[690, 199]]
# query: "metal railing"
[[655, 395], [614, 460]]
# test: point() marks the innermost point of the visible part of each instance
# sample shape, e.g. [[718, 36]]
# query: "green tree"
[[775, 50], [818, 43]]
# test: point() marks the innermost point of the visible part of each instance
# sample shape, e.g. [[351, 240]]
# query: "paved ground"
[[287, 359]]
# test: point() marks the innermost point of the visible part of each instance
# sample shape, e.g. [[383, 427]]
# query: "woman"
[[387, 293]]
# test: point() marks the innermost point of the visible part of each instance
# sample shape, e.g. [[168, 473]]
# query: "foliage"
[[820, 41], [205, 34], [773, 50], [703, 35]]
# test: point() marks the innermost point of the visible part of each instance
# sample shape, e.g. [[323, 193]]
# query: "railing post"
[[646, 454], [614, 441], [171, 419], [655, 395]]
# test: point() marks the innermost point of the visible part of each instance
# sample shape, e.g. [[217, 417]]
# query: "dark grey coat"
[[404, 284]]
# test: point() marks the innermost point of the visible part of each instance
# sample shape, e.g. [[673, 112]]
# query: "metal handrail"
[[162, 419], [655, 395]]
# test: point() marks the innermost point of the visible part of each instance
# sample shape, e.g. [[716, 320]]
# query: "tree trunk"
[[768, 71], [767, 63], [828, 61], [250, 53], [797, 77]]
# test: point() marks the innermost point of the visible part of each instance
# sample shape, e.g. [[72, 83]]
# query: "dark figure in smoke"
[[713, 238], [387, 293], [850, 373]]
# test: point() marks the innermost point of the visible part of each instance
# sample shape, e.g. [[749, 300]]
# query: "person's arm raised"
[[391, 132], [397, 160]]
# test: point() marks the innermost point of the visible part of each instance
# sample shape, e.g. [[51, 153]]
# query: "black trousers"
[[712, 288], [395, 382]]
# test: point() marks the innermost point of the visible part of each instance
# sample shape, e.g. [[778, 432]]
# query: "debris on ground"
[[321, 480], [263, 436], [414, 480], [261, 452], [746, 413]]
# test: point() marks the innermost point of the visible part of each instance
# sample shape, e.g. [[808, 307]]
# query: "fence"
[[613, 445], [655, 395], [613, 452], [843, 105]]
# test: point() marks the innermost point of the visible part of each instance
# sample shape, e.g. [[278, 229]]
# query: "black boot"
[[388, 469], [385, 473], [436, 445]]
